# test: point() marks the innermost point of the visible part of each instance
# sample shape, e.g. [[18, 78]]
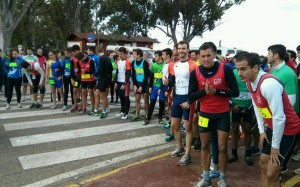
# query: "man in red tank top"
[[277, 121], [213, 83]]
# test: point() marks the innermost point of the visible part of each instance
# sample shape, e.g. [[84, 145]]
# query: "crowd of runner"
[[203, 98]]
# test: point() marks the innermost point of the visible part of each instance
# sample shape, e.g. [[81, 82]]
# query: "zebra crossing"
[[52, 147]]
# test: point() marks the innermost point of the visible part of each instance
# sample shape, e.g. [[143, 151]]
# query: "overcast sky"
[[254, 25]]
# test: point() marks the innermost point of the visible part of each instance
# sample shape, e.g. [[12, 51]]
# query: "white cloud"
[[254, 25]]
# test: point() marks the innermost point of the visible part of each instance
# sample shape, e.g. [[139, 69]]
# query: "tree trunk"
[[78, 17], [10, 17], [5, 37]]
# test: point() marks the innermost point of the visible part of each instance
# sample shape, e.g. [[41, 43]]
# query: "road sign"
[[91, 37]]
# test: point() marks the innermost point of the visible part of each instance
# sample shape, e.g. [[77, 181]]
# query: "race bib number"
[[13, 64], [182, 82], [139, 70], [264, 113], [158, 75], [75, 83], [85, 76], [203, 122], [68, 66], [51, 81]]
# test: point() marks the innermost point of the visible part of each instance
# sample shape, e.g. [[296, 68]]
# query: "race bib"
[[75, 83], [203, 122], [264, 113], [51, 81], [158, 75], [182, 82], [139, 70], [13, 64], [68, 66], [85, 76]]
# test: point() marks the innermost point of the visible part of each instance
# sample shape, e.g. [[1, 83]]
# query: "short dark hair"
[[80, 55], [298, 48], [214, 47], [159, 52], [182, 43], [195, 51], [115, 57], [207, 45], [92, 48], [75, 48], [30, 48], [168, 51], [25, 64], [278, 49], [122, 50], [138, 52], [251, 58], [239, 54], [293, 54], [256, 55]]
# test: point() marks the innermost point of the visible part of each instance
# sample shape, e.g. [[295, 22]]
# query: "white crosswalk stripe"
[[79, 133], [43, 140]]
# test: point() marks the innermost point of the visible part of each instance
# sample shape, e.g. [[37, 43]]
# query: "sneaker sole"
[[173, 156]]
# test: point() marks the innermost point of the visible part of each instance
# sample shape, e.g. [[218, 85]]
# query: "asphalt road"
[[44, 147]]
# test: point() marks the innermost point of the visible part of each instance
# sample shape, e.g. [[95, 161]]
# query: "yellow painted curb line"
[[292, 181], [97, 177]]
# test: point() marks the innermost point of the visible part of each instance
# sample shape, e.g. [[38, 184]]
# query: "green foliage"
[[136, 17], [129, 17], [48, 23]]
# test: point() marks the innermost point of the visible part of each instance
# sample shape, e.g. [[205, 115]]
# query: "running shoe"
[[185, 160], [74, 109], [103, 115], [296, 157], [203, 183], [166, 126], [64, 108], [19, 105], [160, 121], [146, 122], [32, 105], [222, 183], [197, 145], [125, 117], [170, 138], [297, 171], [7, 106], [135, 118], [249, 161], [177, 152], [232, 158], [116, 101], [120, 114], [38, 105]]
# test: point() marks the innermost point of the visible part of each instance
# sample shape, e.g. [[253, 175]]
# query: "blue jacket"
[[96, 60], [13, 67]]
